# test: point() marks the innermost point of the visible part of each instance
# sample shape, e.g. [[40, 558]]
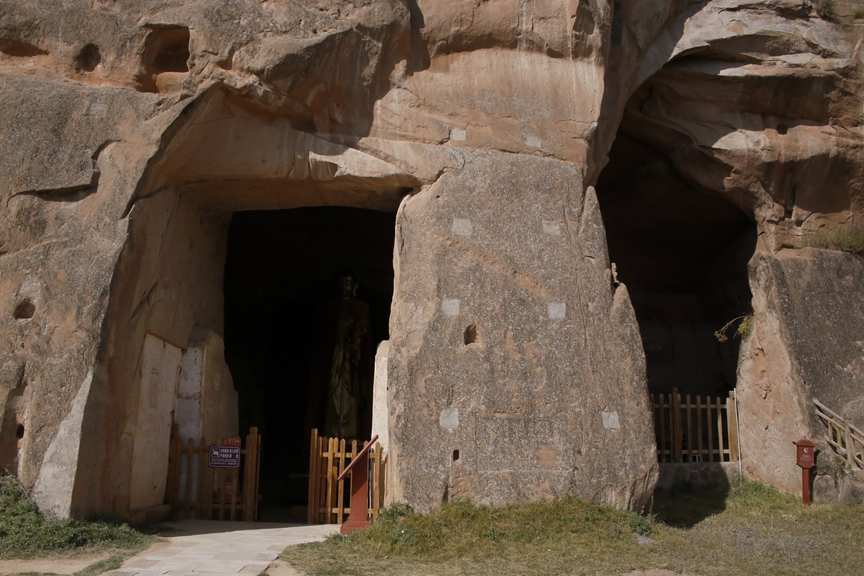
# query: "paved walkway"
[[218, 548]]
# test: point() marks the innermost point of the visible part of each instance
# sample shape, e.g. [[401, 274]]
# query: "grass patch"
[[26, 532], [749, 530], [848, 239]]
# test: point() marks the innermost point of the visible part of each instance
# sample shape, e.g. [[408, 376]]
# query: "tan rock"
[[133, 130]]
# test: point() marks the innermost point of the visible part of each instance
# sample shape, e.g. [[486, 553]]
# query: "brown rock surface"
[[131, 130]]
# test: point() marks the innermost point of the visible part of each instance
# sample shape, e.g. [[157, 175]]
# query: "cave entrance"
[[307, 300], [682, 251]]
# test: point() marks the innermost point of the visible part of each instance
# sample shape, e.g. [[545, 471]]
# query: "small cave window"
[[166, 49], [88, 58], [19, 431], [455, 455], [19, 48], [470, 336], [24, 310]]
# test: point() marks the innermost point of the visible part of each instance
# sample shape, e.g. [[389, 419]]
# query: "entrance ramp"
[[215, 548]]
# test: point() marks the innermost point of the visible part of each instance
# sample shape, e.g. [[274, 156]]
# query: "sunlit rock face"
[[516, 369]]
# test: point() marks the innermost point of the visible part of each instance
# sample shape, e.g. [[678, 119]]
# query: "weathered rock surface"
[[131, 130], [508, 320], [807, 343]]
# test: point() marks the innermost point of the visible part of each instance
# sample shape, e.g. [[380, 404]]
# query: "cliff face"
[[132, 130]]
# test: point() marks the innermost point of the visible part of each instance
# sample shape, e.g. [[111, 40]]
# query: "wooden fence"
[[329, 498], [846, 440], [695, 428], [197, 491]]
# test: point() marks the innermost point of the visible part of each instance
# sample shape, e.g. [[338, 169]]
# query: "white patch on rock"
[[450, 307], [97, 109], [610, 420], [533, 141], [56, 481], [462, 227], [380, 409], [552, 227], [557, 310], [449, 419], [458, 134]]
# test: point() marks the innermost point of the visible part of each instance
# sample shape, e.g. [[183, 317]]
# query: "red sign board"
[[224, 455], [805, 453]]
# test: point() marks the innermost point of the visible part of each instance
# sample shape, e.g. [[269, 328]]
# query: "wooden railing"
[[328, 497], [695, 428], [194, 490], [846, 440]]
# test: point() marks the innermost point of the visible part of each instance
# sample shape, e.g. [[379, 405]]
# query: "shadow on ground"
[[202, 527], [685, 507]]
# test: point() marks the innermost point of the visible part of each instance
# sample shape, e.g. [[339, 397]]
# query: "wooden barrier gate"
[[842, 436], [195, 490], [328, 457], [695, 428]]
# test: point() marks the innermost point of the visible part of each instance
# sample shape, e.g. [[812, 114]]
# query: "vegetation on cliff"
[[848, 239]]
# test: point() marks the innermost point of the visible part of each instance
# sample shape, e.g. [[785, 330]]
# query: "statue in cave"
[[346, 386]]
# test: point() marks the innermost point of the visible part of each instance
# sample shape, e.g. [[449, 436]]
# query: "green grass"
[[26, 532], [751, 530], [848, 239]]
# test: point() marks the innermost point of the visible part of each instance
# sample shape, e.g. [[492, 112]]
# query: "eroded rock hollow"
[[544, 208]]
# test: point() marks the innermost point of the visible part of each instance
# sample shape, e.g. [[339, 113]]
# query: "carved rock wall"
[[131, 128]]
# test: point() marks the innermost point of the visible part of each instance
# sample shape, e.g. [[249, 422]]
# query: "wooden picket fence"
[[196, 491], [695, 428], [329, 498], [842, 436]]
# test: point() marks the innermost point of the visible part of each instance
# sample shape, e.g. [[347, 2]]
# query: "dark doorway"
[[305, 290], [682, 251]]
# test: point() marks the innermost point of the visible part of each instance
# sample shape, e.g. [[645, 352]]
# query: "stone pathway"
[[218, 548]]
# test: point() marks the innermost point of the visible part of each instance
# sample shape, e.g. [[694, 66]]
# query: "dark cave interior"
[[303, 287]]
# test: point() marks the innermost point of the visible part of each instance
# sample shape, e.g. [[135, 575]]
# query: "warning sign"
[[225, 455]]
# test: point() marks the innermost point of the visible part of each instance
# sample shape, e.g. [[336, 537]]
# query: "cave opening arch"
[[245, 235], [682, 246]]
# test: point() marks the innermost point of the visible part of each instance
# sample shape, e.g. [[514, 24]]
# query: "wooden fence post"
[[376, 481], [676, 425], [322, 480], [732, 423], [688, 408], [340, 485], [249, 501], [710, 429], [205, 485], [699, 443], [661, 445], [331, 449], [720, 448], [850, 448]]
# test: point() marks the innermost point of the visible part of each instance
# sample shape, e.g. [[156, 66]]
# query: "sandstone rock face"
[[806, 344], [133, 130], [526, 307]]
